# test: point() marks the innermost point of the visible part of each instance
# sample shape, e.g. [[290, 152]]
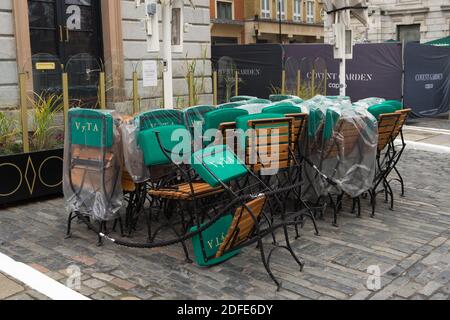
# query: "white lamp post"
[[166, 8], [338, 16]]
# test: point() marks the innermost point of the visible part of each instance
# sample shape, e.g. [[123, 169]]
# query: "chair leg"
[[102, 225], [400, 179], [266, 264], [289, 248], [373, 201], [69, 225]]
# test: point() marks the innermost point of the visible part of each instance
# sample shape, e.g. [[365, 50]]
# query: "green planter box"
[[29, 176]]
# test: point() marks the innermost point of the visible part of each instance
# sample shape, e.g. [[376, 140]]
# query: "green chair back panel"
[[280, 97], [394, 103], [212, 239], [296, 100], [196, 114], [242, 122], [282, 109], [159, 118], [379, 109], [91, 128], [231, 105], [213, 119], [259, 101], [331, 119], [241, 98], [219, 160], [315, 119], [148, 142]]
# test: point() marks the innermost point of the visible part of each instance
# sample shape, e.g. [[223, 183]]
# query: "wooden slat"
[[242, 231]]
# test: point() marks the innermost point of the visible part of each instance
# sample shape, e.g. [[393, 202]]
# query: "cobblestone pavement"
[[410, 245]]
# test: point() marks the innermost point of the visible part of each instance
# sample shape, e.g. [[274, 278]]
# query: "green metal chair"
[[394, 103], [214, 119], [92, 177], [282, 109], [196, 114], [160, 117], [379, 109], [231, 105], [281, 97], [259, 101]]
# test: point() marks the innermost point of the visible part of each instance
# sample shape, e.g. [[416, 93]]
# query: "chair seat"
[[183, 191], [128, 184]]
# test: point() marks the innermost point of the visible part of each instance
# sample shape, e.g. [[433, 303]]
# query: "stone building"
[[86, 36], [403, 20], [257, 21]]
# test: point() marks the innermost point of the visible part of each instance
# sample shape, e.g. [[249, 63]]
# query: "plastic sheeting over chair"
[[343, 145], [93, 164]]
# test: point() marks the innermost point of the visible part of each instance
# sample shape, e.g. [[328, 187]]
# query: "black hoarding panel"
[[259, 67], [427, 79]]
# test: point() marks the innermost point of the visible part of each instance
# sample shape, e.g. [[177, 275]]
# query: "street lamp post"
[[279, 21]]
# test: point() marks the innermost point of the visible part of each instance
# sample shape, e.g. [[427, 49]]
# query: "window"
[[310, 12], [281, 3], [297, 10], [408, 33], [225, 10], [265, 9]]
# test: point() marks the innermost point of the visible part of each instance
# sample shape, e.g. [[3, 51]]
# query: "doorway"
[[68, 31]]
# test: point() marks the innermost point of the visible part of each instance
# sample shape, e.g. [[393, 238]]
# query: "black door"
[[69, 30]]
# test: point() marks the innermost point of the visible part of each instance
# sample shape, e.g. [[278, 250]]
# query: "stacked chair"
[[390, 127], [92, 168]]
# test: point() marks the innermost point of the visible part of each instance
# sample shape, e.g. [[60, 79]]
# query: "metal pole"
[[313, 77], [326, 82], [215, 100], [24, 111], [236, 85], [191, 89], [283, 82], [279, 21], [102, 84], [65, 87], [299, 78], [167, 54], [136, 105]]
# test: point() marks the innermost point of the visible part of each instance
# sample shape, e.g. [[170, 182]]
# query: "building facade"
[[258, 21], [403, 20], [84, 37]]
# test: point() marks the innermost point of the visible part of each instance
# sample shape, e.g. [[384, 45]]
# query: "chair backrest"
[[241, 98], [386, 129], [401, 122], [228, 130], [159, 118], [280, 97], [380, 109], [196, 114], [231, 105], [331, 119], [299, 127], [91, 128], [252, 108], [218, 164], [259, 101], [244, 222], [149, 144], [269, 139], [315, 120], [343, 141], [215, 118], [394, 103], [283, 108]]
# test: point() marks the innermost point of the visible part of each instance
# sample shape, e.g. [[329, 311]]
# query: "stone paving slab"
[[410, 245], [11, 289]]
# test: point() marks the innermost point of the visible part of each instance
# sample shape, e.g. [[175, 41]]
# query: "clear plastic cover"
[[253, 108], [369, 102], [132, 154], [92, 179], [196, 115], [342, 144]]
